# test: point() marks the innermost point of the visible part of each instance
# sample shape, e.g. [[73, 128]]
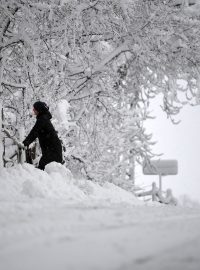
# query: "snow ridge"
[[24, 182]]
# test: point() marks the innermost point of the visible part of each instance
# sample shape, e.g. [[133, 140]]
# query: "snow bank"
[[24, 182], [186, 201]]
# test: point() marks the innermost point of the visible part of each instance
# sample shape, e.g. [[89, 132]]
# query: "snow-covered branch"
[[11, 137], [11, 42], [122, 48], [15, 85]]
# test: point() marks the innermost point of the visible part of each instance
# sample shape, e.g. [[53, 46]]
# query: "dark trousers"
[[46, 159]]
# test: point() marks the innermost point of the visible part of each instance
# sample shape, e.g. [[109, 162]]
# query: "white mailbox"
[[161, 167]]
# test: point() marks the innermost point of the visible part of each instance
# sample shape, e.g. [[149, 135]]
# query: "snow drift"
[[24, 182]]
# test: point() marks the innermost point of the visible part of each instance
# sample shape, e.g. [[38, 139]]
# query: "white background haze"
[[181, 142]]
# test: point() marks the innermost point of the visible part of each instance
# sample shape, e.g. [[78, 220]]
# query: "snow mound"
[[185, 201], [24, 182], [57, 170]]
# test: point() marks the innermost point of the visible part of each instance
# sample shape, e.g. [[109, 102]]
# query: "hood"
[[46, 115]]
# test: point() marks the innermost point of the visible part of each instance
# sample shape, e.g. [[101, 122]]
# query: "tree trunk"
[[1, 106], [1, 134], [132, 169]]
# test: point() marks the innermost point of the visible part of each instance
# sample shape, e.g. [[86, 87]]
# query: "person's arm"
[[32, 135]]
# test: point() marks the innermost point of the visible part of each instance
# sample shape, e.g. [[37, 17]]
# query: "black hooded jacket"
[[49, 142]]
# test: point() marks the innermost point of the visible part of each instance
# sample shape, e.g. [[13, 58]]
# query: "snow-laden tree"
[[107, 59]]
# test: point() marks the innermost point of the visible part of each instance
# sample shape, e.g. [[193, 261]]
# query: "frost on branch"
[[107, 60]]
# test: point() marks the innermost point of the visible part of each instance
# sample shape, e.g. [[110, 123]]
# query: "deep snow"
[[49, 220]]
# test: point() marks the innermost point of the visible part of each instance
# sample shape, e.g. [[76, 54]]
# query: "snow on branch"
[[193, 10], [100, 66], [123, 48], [11, 137], [42, 6], [11, 42], [16, 85], [183, 2], [6, 24]]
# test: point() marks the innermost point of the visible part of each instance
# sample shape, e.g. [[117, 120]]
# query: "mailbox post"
[[161, 168], [160, 182]]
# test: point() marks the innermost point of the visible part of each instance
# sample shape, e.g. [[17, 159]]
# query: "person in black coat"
[[43, 130]]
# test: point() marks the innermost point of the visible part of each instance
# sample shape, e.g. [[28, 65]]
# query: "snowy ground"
[[51, 221]]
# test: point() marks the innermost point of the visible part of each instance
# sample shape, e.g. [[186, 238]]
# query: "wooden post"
[[22, 156]]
